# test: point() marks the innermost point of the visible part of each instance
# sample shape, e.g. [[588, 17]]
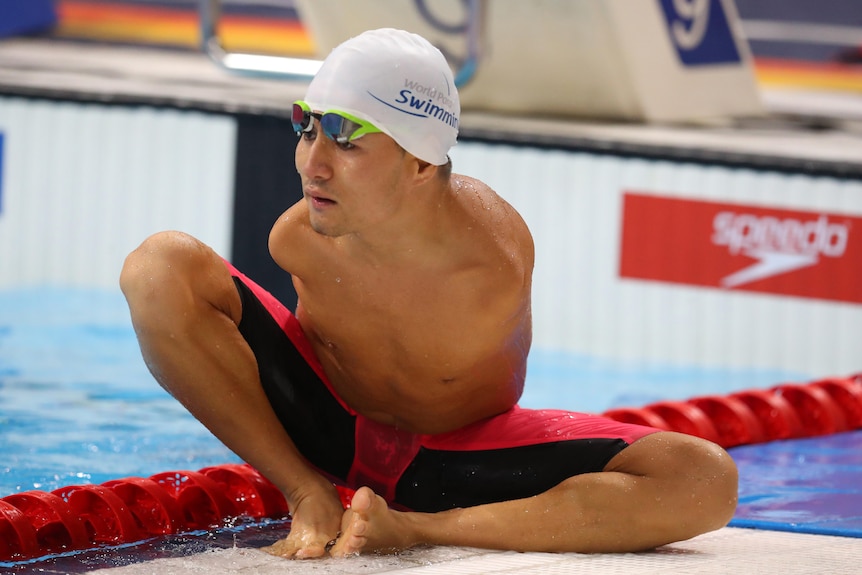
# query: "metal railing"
[[286, 68]]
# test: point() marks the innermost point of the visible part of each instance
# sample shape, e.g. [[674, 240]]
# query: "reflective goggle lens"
[[338, 126], [301, 117]]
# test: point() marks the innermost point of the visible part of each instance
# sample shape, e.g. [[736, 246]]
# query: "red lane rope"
[[785, 411], [79, 517]]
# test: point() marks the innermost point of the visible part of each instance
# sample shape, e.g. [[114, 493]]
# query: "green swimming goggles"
[[339, 127]]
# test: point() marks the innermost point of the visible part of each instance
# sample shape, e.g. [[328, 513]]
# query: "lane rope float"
[[36, 524]]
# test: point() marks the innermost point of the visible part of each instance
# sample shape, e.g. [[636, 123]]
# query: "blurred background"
[[793, 42]]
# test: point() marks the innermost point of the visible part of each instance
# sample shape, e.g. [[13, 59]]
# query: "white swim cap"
[[399, 82]]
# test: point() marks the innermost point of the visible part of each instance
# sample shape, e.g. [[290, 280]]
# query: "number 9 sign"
[[700, 32]]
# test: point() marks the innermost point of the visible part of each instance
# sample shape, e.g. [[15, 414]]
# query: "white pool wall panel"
[[573, 203], [84, 184]]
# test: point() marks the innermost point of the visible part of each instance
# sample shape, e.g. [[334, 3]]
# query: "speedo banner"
[[741, 247]]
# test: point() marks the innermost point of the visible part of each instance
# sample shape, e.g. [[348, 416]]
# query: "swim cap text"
[[428, 107]]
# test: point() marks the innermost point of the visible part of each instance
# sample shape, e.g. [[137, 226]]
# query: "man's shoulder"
[[295, 220], [486, 205], [497, 239], [462, 180], [291, 229], [476, 191]]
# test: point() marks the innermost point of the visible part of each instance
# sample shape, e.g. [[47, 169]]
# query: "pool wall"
[[644, 259]]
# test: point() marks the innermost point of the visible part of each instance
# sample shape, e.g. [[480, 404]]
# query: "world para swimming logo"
[[422, 101], [700, 32]]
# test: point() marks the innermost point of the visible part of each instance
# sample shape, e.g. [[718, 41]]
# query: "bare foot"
[[297, 548], [314, 525], [370, 526]]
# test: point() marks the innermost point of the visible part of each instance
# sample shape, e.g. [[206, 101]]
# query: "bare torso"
[[430, 338]]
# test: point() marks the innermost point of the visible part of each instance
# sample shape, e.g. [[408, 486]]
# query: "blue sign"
[[26, 16], [700, 32]]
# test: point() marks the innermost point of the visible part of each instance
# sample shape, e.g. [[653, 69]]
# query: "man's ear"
[[425, 171]]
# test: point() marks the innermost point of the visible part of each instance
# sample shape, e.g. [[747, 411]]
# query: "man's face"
[[353, 186]]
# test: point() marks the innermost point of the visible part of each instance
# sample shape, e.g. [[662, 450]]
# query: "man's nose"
[[314, 158]]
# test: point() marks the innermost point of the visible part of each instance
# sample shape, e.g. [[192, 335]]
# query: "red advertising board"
[[742, 247]]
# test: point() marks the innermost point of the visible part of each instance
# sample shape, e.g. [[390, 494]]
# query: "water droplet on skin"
[[338, 280]]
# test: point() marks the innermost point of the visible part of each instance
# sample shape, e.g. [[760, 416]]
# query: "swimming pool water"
[[77, 404]]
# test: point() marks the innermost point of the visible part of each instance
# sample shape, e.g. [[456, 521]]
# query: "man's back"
[[431, 333]]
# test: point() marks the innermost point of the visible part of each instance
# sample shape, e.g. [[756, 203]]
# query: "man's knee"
[[161, 259], [711, 476], [171, 272], [702, 474]]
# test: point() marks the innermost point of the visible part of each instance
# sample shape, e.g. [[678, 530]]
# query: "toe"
[[312, 552], [281, 548], [349, 545]]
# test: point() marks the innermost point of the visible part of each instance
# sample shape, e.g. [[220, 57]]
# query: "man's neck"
[[417, 229]]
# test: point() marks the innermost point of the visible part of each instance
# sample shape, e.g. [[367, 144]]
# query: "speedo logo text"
[[756, 248], [779, 245]]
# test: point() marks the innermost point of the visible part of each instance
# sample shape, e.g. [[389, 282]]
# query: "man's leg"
[[185, 309], [663, 488]]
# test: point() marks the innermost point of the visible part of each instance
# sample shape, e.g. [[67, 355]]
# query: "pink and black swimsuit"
[[517, 454]]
